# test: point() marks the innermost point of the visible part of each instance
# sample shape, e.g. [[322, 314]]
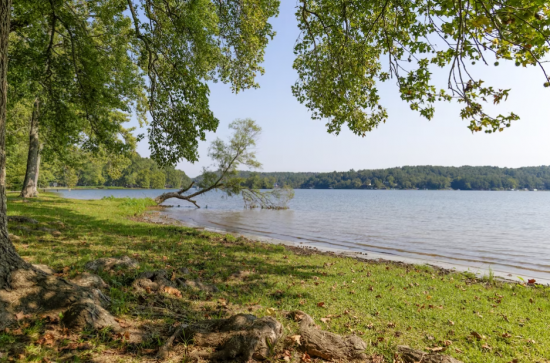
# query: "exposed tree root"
[[327, 345], [239, 338], [165, 349], [410, 355], [29, 290]]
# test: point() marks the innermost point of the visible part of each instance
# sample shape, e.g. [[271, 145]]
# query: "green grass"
[[387, 304]]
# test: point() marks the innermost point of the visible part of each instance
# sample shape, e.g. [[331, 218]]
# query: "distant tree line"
[[414, 177], [87, 170]]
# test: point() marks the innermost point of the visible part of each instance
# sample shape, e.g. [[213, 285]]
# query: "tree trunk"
[[9, 259], [179, 194], [30, 185]]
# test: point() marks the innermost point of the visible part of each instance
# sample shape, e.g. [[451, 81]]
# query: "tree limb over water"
[[227, 159]]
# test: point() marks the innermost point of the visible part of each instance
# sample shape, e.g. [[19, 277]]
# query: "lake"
[[506, 231]]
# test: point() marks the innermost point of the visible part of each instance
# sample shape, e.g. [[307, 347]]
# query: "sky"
[[292, 141]]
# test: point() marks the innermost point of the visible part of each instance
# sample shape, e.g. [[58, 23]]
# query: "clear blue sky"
[[292, 141]]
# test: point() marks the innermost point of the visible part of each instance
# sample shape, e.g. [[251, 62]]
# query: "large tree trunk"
[[8, 257], [30, 185]]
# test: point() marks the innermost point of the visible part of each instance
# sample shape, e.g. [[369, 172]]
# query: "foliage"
[[417, 177], [225, 176], [99, 169], [274, 199], [91, 63], [348, 47], [74, 59], [385, 304], [228, 157]]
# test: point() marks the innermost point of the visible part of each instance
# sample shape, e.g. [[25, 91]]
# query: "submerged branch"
[[274, 199]]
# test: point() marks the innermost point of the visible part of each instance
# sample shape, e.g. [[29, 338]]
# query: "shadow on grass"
[[92, 229]]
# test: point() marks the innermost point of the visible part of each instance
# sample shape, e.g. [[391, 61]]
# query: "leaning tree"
[[224, 176], [345, 49]]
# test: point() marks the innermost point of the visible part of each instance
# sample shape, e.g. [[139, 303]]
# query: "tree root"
[[165, 349], [239, 338], [30, 290], [327, 345], [410, 355]]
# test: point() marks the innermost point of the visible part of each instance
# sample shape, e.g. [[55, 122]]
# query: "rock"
[[89, 280], [22, 219], [14, 237], [239, 338], [110, 263], [44, 268], [410, 355], [184, 271], [89, 315], [327, 345]]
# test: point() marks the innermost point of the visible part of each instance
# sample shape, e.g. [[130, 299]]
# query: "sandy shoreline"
[[161, 218]]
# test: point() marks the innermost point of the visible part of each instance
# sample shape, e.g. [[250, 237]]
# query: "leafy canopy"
[[347, 47], [93, 61], [73, 58]]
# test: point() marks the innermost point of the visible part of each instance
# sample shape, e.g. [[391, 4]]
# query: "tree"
[[227, 158], [225, 176], [347, 47]]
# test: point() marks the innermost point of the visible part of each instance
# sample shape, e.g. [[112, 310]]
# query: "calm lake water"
[[508, 231]]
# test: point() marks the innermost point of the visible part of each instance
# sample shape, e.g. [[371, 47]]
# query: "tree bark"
[[9, 259], [179, 194], [30, 185]]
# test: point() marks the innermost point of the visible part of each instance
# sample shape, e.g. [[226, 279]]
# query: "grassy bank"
[[386, 304]]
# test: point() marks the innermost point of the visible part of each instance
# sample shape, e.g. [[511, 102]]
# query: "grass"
[[386, 304]]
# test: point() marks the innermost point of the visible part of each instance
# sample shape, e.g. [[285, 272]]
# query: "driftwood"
[[410, 355]]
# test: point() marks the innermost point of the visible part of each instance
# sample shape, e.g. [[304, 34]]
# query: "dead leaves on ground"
[[172, 291]]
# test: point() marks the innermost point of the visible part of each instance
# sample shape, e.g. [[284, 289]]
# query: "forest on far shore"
[[417, 177], [142, 172]]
